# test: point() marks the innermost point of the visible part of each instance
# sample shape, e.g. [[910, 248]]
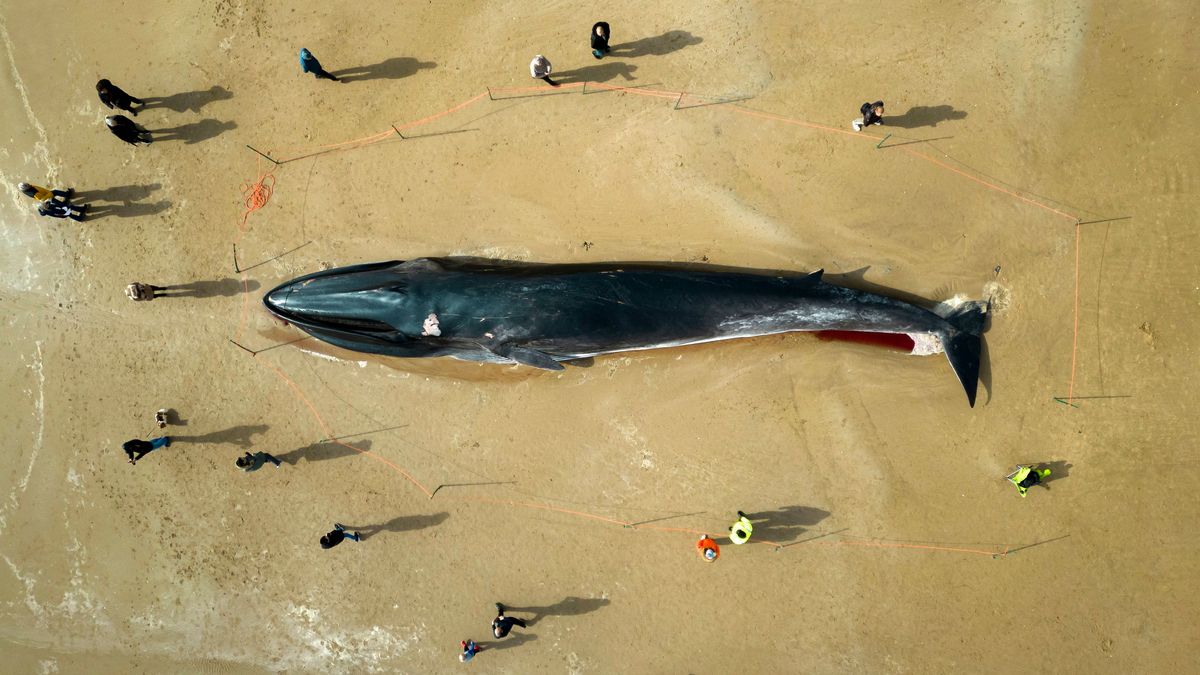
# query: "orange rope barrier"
[[989, 185], [257, 195], [1075, 329], [329, 432]]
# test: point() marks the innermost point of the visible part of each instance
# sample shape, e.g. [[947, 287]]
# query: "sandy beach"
[[1037, 154]]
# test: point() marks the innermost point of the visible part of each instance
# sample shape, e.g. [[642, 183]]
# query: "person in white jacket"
[[540, 68]]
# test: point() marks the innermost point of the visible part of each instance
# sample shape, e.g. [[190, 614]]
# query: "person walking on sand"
[[139, 292], [115, 97], [739, 532], [124, 129], [469, 650], [540, 68], [708, 549], [600, 36], [336, 536], [42, 194], [1026, 477], [872, 113], [501, 625], [52, 208], [249, 462], [136, 448], [310, 64]]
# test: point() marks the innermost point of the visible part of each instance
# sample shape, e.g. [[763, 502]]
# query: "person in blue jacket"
[[310, 64]]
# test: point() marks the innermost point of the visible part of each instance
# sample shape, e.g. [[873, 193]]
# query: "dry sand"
[[185, 564]]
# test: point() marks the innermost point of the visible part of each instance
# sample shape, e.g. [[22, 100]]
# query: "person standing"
[[249, 462], [42, 194], [124, 129], [115, 97], [310, 64], [1026, 477], [53, 208], [600, 36], [501, 625], [136, 448], [336, 536], [469, 650], [872, 113], [708, 549], [139, 292], [540, 68], [740, 531]]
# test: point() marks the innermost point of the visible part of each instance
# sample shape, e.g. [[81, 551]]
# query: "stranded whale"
[[542, 314]]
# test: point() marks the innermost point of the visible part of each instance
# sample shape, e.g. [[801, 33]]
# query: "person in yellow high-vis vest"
[[1026, 477], [740, 531]]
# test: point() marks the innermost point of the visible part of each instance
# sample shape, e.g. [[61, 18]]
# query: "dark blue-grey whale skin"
[[542, 314]]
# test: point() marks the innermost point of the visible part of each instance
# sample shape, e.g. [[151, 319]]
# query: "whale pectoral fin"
[[528, 357]]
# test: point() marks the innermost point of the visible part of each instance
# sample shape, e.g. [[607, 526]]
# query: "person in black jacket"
[[124, 129], [501, 625], [116, 98], [872, 113], [600, 37], [137, 448], [337, 535]]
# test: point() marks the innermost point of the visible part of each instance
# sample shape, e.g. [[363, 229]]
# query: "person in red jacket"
[[708, 549]]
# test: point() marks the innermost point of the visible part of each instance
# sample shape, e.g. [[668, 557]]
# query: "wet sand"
[[884, 489]]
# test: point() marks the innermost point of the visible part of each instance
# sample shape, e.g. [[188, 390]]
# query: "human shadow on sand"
[[400, 524], [194, 132], [188, 100], [324, 450], [786, 523], [514, 639], [924, 116], [598, 73], [126, 209], [1059, 468], [119, 193], [241, 436], [227, 287], [391, 69], [658, 45], [570, 606]]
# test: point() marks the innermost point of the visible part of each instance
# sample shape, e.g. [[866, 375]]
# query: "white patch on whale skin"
[[926, 344], [430, 326]]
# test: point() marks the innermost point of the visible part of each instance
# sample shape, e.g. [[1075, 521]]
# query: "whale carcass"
[[543, 314]]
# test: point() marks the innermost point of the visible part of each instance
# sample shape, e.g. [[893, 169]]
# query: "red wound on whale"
[[898, 341]]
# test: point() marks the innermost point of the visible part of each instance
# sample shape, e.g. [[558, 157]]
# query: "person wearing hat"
[[872, 113], [310, 64], [739, 532], [42, 194], [600, 36], [123, 128], [336, 536], [1026, 477], [708, 549], [113, 96]]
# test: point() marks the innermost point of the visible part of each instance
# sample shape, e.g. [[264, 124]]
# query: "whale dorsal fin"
[[814, 277]]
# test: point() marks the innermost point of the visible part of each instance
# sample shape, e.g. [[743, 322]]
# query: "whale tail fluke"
[[964, 345]]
